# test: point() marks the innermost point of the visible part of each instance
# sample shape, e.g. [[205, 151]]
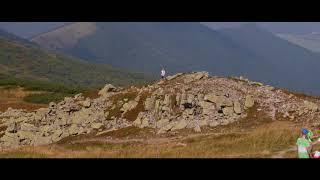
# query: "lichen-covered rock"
[[149, 103], [228, 111], [207, 107], [249, 102], [106, 90], [129, 106], [73, 130], [220, 101], [237, 107], [180, 125], [96, 125]]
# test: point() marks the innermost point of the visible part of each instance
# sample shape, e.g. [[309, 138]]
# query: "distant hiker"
[[163, 73], [303, 145]]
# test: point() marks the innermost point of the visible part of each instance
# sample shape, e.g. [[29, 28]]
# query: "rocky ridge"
[[182, 101]]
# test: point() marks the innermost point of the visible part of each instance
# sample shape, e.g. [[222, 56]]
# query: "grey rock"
[[249, 102], [237, 107]]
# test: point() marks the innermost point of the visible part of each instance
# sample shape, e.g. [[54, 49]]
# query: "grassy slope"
[[30, 62]]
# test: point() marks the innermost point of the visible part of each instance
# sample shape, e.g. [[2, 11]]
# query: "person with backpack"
[[304, 146]]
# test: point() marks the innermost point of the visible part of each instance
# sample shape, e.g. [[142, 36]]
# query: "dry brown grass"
[[92, 94], [21, 105], [13, 97], [264, 141]]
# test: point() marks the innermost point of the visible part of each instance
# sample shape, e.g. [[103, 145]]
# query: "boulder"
[[195, 76], [166, 128], [207, 107], [12, 128], [190, 98], [45, 130], [26, 135], [249, 102], [255, 83], [157, 105], [237, 107], [106, 90], [162, 122], [173, 76], [203, 123], [270, 88], [56, 136], [106, 114], [129, 106], [180, 125], [167, 100], [73, 129], [214, 123], [188, 111], [138, 122], [228, 111], [220, 101], [10, 139], [40, 113], [144, 122], [96, 125]]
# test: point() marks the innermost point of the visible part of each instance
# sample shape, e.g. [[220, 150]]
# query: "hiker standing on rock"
[[163, 73], [303, 144]]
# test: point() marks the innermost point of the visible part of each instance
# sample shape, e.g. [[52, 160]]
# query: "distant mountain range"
[[244, 49], [26, 61], [247, 50], [309, 41]]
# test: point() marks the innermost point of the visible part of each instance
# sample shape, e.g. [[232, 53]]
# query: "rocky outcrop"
[[184, 101], [72, 116]]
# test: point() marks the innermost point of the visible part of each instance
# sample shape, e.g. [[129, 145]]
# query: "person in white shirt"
[[163, 73]]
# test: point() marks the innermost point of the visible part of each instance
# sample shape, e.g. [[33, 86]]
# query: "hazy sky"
[[29, 29]]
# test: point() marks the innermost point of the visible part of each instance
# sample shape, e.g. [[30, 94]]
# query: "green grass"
[[36, 85], [23, 155], [45, 98]]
